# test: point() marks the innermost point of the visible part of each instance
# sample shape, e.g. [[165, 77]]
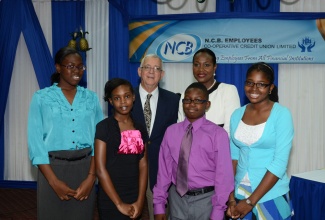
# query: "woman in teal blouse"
[[61, 127], [261, 135]]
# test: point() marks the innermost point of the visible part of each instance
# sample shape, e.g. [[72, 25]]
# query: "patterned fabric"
[[249, 134], [274, 209], [131, 142], [147, 113], [182, 168]]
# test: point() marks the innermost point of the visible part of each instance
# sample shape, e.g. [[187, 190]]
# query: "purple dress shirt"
[[209, 164]]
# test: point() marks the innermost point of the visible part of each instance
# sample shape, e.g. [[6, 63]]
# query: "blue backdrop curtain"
[[68, 17], [119, 13], [16, 17]]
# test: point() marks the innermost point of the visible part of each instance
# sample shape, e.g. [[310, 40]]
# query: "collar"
[[143, 93], [196, 124], [55, 86]]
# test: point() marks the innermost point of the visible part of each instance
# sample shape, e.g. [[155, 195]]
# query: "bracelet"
[[231, 202], [249, 202], [92, 174]]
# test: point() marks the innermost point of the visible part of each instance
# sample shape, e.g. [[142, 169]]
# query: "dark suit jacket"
[[167, 113]]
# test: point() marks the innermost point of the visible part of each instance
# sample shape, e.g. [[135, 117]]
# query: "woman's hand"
[[242, 208], [137, 207], [126, 209], [231, 210], [85, 187], [62, 190]]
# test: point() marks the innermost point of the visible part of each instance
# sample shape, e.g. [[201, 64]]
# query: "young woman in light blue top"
[[61, 127], [261, 135]]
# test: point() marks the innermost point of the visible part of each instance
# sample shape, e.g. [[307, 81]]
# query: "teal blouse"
[[54, 124]]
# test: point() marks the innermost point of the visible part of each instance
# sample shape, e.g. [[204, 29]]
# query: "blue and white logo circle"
[[179, 47]]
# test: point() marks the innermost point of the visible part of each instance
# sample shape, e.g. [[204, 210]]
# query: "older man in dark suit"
[[155, 108]]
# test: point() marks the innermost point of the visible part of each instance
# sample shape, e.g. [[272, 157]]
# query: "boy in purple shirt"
[[210, 176]]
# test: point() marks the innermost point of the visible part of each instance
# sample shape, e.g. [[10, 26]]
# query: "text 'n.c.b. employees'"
[[243, 43]]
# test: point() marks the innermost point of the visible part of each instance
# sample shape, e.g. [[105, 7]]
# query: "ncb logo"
[[179, 47]]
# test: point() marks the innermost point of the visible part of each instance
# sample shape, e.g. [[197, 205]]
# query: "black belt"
[[196, 192], [70, 159]]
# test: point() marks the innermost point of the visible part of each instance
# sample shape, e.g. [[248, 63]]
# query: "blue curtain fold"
[[36, 43], [16, 17], [68, 17], [9, 35]]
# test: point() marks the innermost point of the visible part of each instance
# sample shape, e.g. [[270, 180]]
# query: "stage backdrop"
[[234, 40]]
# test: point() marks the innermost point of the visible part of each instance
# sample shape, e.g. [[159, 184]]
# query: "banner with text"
[[232, 40]]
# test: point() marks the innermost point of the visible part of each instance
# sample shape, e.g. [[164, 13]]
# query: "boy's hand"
[[232, 212], [160, 217]]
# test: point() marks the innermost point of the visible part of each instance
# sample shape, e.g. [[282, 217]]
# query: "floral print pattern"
[[131, 142]]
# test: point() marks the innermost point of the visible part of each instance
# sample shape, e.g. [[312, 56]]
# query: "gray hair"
[[153, 56]]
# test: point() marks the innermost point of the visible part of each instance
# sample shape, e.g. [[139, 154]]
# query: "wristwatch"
[[249, 202]]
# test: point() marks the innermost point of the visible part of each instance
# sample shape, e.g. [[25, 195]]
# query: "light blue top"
[[270, 153], [54, 124]]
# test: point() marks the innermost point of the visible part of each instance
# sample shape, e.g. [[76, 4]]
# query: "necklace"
[[212, 84]]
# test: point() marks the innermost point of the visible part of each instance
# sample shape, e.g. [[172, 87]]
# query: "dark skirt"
[[49, 206]]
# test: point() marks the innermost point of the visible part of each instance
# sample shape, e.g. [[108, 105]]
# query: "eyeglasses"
[[195, 101], [156, 69], [258, 85], [72, 67]]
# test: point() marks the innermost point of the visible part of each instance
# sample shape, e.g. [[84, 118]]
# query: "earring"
[[214, 74], [270, 92]]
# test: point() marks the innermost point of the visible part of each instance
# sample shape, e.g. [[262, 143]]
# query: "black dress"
[[122, 168]]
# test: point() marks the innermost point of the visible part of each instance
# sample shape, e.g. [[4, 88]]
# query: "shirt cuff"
[[40, 160], [159, 209]]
